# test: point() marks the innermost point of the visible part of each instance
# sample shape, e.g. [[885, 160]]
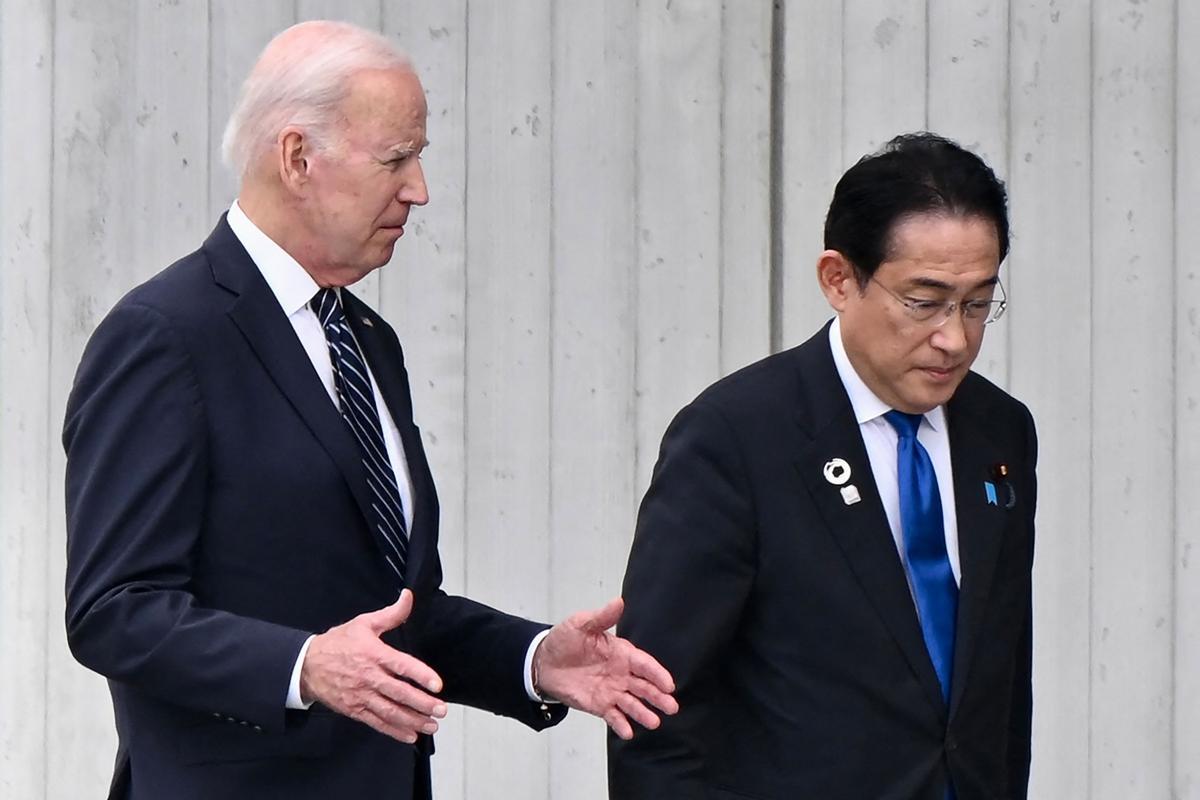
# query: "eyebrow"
[[933, 283], [405, 149]]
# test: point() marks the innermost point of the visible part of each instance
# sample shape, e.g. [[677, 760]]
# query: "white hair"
[[300, 79]]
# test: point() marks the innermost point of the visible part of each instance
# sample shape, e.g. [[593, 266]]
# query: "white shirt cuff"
[[294, 700], [533, 646]]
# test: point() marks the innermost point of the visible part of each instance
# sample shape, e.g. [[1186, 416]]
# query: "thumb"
[[389, 617], [604, 618]]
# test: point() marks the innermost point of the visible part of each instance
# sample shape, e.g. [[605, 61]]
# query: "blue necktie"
[[925, 546], [356, 400]]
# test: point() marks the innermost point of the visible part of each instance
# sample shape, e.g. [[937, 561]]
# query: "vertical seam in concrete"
[[635, 267], [1008, 171], [842, 96], [775, 182], [722, 221], [52, 65], [928, 72], [381, 274], [1172, 575], [551, 246], [208, 129], [1091, 698], [466, 328]]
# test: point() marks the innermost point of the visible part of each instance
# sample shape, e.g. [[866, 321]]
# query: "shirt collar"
[[291, 284], [867, 406]]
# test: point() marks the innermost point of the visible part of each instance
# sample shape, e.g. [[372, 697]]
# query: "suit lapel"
[[258, 316], [386, 361], [860, 529], [973, 457]]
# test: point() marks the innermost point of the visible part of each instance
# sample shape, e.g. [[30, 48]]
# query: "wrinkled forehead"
[[387, 103]]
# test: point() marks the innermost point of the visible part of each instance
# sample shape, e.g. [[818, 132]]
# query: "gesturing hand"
[[579, 663], [349, 670]]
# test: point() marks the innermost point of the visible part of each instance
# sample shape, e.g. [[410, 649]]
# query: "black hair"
[[914, 173]]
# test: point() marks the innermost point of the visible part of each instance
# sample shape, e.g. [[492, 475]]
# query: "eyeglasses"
[[936, 312]]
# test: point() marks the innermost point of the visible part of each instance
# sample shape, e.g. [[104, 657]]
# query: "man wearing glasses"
[[834, 555]]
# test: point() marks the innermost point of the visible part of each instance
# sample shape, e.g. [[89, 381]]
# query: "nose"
[[413, 189], [951, 336]]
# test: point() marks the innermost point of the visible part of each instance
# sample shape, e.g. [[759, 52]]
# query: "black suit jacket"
[[785, 614], [217, 515]]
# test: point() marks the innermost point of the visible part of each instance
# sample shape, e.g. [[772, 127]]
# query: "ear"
[[837, 278], [292, 151]]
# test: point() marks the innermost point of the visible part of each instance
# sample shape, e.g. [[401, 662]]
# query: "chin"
[[926, 399], [384, 256]]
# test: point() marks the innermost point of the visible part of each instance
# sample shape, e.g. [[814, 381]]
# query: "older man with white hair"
[[247, 493]]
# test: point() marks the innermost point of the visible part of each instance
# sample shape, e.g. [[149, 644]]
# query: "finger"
[[403, 693], [400, 734], [650, 693], [620, 726], [402, 665], [646, 666], [390, 617], [604, 618], [636, 710], [400, 716]]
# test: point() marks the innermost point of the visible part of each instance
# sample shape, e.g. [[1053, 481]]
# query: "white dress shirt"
[[293, 287], [881, 441]]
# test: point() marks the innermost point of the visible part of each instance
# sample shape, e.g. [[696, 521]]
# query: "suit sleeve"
[[136, 480], [1020, 732], [479, 653], [690, 571]]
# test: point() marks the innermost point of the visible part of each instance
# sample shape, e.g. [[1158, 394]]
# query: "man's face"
[[914, 366], [361, 190]]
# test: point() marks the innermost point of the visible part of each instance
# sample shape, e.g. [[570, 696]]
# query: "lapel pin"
[[837, 471], [850, 495], [367, 322], [1001, 485]]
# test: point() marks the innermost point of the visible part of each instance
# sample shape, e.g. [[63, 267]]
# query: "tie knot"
[[906, 425], [326, 306]]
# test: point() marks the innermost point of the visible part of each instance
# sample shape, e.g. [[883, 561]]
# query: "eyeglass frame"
[[947, 307]]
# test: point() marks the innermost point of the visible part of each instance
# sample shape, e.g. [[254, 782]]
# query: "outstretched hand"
[[351, 671], [584, 666]]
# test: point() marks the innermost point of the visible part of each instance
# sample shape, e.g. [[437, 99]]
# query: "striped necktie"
[[356, 400]]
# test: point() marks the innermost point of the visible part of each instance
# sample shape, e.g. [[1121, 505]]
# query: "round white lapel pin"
[[837, 471]]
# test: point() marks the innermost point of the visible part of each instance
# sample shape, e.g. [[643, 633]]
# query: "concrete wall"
[[627, 203]]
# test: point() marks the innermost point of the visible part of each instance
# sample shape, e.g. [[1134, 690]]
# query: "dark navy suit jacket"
[[785, 615], [217, 516]]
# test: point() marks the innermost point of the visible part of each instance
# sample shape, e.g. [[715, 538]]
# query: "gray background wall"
[[627, 200]]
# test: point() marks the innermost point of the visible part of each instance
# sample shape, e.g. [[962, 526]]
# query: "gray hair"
[[301, 79]]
